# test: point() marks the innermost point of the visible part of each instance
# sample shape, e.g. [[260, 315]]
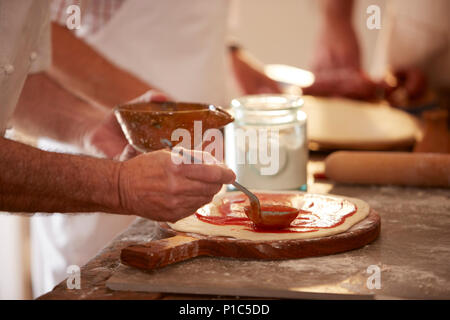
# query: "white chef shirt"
[[24, 48]]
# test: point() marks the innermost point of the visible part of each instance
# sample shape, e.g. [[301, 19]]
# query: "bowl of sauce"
[[146, 124]]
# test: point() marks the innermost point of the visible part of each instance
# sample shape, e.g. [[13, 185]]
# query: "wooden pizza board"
[[182, 246]]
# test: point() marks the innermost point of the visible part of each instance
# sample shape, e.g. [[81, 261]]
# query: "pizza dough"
[[328, 207], [345, 123]]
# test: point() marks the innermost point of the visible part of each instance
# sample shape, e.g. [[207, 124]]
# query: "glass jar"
[[266, 145]]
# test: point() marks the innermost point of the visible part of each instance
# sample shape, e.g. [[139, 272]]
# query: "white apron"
[[177, 46]]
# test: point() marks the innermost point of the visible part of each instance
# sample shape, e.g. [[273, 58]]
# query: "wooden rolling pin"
[[389, 168]]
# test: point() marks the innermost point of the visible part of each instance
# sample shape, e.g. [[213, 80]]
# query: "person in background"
[[413, 52], [49, 104]]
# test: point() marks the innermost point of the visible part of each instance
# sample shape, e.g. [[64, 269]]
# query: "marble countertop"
[[412, 253]]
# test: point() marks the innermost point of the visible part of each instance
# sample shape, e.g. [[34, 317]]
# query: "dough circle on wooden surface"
[[192, 224], [353, 124]]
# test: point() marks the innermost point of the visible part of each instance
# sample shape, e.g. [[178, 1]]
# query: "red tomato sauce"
[[314, 212]]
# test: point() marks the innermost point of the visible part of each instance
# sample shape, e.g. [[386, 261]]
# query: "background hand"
[[410, 88], [337, 47], [337, 66], [348, 83]]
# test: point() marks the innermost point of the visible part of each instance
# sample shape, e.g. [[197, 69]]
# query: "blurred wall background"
[[275, 32]]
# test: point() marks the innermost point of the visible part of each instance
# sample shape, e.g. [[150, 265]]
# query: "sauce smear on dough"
[[314, 212]]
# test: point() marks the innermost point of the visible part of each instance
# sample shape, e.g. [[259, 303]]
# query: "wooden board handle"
[[160, 253]]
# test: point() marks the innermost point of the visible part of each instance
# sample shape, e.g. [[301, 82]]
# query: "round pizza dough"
[[353, 124], [192, 224]]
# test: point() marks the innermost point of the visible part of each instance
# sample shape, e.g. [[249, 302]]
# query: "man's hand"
[[107, 139], [337, 62], [152, 186], [337, 47], [409, 88], [250, 75], [350, 83]]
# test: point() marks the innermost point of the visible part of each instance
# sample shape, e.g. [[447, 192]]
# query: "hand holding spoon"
[[264, 217]]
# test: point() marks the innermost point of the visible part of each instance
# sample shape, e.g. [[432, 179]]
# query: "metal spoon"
[[255, 213], [275, 216], [268, 218]]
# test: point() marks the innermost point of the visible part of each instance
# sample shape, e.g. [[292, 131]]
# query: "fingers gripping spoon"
[[266, 217]]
